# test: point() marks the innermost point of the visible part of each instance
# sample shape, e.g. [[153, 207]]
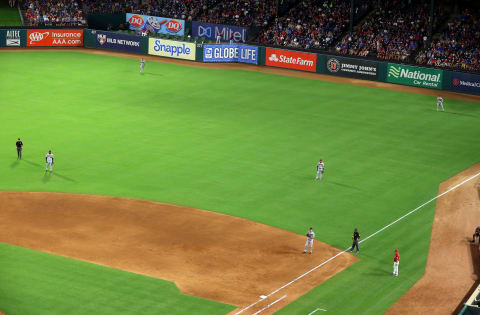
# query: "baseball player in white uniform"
[[49, 161], [142, 65], [310, 237], [320, 169], [440, 103]]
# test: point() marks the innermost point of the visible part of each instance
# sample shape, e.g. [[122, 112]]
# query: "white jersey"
[[311, 235], [320, 166], [49, 157], [439, 100], [142, 63]]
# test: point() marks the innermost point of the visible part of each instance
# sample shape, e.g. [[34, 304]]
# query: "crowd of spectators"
[[55, 12], [392, 33], [457, 47], [241, 12], [313, 24], [111, 6]]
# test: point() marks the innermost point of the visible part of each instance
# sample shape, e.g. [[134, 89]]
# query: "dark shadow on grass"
[[15, 164], [46, 177], [32, 163], [344, 185], [381, 273], [64, 177], [476, 270], [460, 114], [151, 73]]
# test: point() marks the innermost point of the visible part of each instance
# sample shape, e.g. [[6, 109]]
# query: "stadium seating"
[[55, 13]]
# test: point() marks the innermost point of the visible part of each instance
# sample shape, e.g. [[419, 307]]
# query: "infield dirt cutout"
[[206, 254]]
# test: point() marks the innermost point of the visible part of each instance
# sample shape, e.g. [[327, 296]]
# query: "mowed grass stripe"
[[240, 143]]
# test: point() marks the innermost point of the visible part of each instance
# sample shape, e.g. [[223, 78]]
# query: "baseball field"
[[239, 143]]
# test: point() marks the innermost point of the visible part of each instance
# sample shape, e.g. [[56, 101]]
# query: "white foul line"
[[342, 252], [274, 302], [316, 310]]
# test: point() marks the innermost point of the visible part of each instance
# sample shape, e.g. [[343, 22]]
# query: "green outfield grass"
[[9, 16], [245, 144]]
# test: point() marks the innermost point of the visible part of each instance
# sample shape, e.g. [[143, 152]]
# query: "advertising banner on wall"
[[54, 38], [171, 49], [415, 76], [466, 83], [13, 38], [352, 68], [291, 59], [156, 24], [210, 31], [116, 41], [230, 53]]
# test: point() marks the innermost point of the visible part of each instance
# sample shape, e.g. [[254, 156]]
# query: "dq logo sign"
[[173, 26], [136, 20], [37, 36]]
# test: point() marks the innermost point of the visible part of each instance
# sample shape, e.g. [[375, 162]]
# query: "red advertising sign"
[[291, 59], [54, 38]]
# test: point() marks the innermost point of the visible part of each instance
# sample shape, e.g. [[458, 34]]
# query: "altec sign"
[[422, 77], [291, 59], [54, 38]]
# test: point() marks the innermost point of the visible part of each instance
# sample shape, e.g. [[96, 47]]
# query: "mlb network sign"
[[171, 49], [466, 83], [415, 76], [291, 59], [210, 31], [155, 24], [230, 53], [117, 41], [54, 38]]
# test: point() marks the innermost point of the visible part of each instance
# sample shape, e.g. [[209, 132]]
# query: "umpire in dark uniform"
[[19, 145], [355, 238]]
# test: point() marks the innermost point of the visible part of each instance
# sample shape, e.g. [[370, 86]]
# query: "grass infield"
[[240, 143]]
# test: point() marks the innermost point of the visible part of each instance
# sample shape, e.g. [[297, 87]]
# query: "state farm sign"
[[291, 59], [54, 38]]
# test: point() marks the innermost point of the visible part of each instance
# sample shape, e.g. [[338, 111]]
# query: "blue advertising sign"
[[230, 53], [155, 24], [117, 41], [466, 83], [210, 31]]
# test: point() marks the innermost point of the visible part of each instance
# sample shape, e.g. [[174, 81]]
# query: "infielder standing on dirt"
[[320, 169], [142, 65], [476, 234], [19, 145], [310, 237], [49, 161], [396, 262], [440, 103]]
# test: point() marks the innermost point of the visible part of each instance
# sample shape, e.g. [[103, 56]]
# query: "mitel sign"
[[291, 59], [230, 53], [210, 31], [466, 83]]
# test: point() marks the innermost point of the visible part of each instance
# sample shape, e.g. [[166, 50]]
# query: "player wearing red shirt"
[[396, 261]]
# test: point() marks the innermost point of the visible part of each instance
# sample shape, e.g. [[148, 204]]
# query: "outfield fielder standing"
[[19, 145], [320, 170], [49, 161], [142, 65], [440, 103], [310, 237]]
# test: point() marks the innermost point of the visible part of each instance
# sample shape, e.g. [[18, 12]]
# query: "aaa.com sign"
[[42, 38], [291, 59]]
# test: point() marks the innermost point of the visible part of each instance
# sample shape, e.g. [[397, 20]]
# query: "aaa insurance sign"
[[291, 59], [42, 38]]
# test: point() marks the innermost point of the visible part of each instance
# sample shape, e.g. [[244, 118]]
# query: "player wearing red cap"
[[396, 261]]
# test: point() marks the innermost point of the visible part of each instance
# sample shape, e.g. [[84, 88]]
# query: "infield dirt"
[[206, 254]]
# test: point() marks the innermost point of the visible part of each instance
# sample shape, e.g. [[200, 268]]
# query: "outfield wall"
[[350, 67]]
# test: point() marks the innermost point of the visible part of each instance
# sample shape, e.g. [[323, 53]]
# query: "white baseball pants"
[[308, 242], [395, 268]]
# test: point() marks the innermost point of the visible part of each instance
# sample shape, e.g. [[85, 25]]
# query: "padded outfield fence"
[[170, 47]]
